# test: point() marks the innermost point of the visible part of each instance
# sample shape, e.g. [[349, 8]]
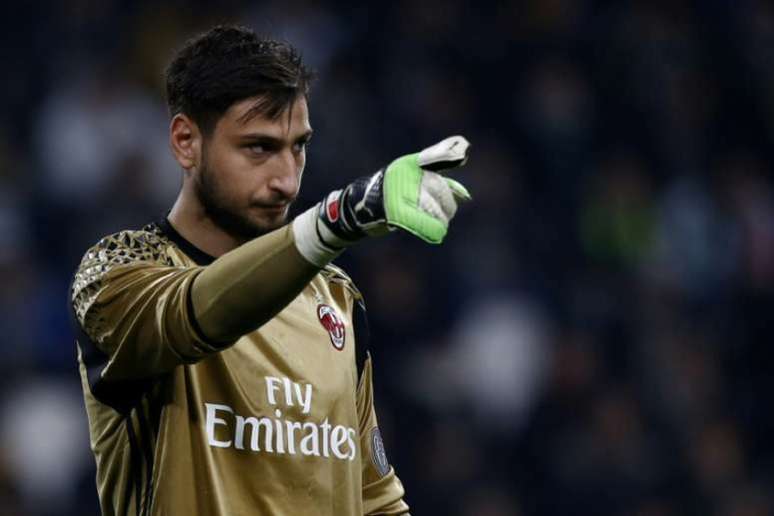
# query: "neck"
[[189, 218]]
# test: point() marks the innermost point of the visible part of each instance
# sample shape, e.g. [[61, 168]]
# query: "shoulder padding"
[[145, 245]]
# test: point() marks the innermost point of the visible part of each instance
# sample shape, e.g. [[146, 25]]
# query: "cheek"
[[235, 174]]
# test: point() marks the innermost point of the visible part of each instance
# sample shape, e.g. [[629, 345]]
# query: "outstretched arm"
[[138, 317]]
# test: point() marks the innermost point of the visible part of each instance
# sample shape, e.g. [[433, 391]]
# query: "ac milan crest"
[[333, 323]]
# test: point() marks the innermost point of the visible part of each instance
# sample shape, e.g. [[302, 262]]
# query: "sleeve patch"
[[378, 453]]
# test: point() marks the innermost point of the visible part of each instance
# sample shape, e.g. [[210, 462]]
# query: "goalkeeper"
[[224, 360]]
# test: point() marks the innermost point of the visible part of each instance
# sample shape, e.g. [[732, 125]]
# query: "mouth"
[[274, 209]]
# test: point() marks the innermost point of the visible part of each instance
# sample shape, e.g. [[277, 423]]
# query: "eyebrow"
[[263, 137]]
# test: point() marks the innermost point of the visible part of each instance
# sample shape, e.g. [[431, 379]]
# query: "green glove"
[[409, 194], [419, 200]]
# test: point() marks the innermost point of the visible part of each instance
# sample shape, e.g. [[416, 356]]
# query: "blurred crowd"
[[592, 339]]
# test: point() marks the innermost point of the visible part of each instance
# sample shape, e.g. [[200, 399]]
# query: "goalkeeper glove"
[[407, 194]]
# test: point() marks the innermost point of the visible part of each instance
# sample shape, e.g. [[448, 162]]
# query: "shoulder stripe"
[[135, 473]]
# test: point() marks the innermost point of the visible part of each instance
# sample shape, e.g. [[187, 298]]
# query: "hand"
[[409, 194]]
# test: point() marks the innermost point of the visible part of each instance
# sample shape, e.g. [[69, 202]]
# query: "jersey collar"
[[193, 252]]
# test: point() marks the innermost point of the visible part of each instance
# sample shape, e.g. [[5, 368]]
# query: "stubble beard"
[[222, 214]]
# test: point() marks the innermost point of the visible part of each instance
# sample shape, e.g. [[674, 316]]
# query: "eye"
[[257, 148], [300, 146]]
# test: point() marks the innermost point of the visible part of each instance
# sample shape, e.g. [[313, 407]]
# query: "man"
[[223, 359]]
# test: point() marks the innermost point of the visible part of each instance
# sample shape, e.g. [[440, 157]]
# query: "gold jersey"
[[281, 421]]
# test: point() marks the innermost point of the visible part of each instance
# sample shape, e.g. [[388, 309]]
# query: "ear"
[[185, 140]]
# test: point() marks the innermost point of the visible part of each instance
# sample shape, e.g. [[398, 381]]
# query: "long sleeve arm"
[[382, 489], [139, 315], [246, 287]]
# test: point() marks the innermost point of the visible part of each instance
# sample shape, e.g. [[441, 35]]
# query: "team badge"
[[331, 321], [378, 453]]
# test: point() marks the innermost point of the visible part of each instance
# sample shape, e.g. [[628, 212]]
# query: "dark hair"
[[227, 64]]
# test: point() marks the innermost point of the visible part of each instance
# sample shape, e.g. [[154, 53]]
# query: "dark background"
[[592, 338]]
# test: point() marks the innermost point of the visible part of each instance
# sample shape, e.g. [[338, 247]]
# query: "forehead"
[[293, 121]]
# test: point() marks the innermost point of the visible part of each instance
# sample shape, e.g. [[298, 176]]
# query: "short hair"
[[227, 64]]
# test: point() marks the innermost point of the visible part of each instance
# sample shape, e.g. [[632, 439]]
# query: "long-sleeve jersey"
[[278, 421]]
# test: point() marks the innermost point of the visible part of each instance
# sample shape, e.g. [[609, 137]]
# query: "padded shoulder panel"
[[145, 245]]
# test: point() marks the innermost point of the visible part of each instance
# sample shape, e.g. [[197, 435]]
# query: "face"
[[250, 168]]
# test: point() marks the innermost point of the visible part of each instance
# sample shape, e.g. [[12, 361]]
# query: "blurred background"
[[592, 339]]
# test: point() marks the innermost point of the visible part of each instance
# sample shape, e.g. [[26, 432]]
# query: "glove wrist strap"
[[315, 242]]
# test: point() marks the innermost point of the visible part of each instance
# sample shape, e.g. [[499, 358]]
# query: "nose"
[[285, 176]]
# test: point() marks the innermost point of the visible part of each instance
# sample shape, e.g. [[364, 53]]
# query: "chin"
[[269, 223]]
